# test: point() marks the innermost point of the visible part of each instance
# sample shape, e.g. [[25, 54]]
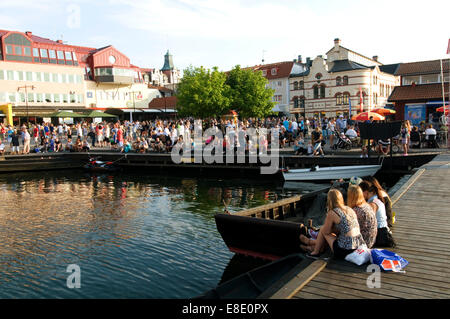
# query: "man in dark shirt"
[[316, 137]]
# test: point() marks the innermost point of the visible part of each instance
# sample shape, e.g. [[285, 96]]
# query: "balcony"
[[115, 75]]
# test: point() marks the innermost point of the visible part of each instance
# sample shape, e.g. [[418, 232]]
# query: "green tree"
[[202, 93], [249, 95]]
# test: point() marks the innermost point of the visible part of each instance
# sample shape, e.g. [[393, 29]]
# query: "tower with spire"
[[173, 75]]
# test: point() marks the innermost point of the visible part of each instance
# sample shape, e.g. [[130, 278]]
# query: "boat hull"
[[331, 173]]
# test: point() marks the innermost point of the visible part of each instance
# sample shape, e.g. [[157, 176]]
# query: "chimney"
[[295, 60], [337, 43], [308, 61], [59, 41], [375, 58], [299, 59], [28, 33]]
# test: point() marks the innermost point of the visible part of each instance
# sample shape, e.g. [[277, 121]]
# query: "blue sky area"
[[224, 33]]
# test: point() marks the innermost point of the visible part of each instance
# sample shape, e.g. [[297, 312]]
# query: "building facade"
[[327, 86], [39, 76], [424, 88]]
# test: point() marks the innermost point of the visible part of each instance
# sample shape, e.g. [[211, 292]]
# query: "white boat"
[[330, 173]]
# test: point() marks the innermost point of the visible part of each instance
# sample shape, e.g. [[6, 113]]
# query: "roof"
[[284, 69], [162, 103], [418, 92], [305, 73], [160, 88], [346, 65], [422, 67], [389, 68]]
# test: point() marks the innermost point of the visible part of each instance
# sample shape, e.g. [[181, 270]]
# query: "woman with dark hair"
[[375, 198], [386, 200]]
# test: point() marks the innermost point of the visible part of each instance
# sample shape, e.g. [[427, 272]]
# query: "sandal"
[[309, 255]]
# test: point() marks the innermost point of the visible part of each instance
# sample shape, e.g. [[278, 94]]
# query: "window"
[[318, 76], [63, 78], [30, 97], [301, 85], [12, 97], [316, 92], [20, 75], [22, 97], [29, 76], [56, 98], [48, 98], [2, 97], [9, 49], [44, 53], [68, 56], [71, 78], [2, 75], [339, 99], [65, 98], [39, 97], [80, 98], [52, 54], [47, 77], [55, 77], [38, 76], [74, 56], [10, 75], [345, 79], [295, 102], [322, 91], [72, 98], [36, 52], [280, 83], [338, 81], [273, 71], [345, 98], [302, 102], [295, 85], [17, 50], [60, 55], [27, 51]]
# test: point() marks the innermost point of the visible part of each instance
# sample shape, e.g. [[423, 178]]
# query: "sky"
[[225, 33]]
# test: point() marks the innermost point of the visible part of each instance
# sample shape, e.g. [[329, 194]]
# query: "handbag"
[[388, 260]]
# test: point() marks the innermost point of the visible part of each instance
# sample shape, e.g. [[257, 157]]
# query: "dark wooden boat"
[[260, 282], [270, 231]]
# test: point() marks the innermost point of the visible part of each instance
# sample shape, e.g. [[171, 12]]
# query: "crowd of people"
[[364, 219], [307, 135]]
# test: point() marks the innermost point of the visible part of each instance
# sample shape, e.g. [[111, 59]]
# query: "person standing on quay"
[[26, 141]]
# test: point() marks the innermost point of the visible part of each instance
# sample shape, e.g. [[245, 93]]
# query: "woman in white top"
[[375, 198]]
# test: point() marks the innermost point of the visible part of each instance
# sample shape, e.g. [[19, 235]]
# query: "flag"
[[349, 107], [361, 100], [448, 47]]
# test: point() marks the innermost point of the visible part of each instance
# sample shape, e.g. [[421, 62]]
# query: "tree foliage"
[[249, 95], [202, 93]]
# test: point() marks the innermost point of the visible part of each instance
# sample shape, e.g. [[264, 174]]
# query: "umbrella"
[[98, 114], [441, 109], [364, 116], [383, 111], [65, 114]]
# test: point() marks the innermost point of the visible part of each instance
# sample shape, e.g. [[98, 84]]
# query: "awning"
[[151, 111]]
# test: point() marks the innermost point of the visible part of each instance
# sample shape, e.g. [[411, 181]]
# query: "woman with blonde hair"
[[367, 218], [342, 219]]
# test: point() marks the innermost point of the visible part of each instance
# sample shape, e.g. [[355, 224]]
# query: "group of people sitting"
[[364, 218]]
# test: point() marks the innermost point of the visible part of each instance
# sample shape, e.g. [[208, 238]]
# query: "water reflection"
[[133, 236]]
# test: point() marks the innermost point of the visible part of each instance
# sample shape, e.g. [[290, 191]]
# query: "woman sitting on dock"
[[375, 198], [342, 219], [386, 199], [367, 218]]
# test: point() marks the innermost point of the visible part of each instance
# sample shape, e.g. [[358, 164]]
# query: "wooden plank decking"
[[422, 233]]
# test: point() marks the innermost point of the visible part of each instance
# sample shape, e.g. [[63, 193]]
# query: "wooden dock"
[[422, 233]]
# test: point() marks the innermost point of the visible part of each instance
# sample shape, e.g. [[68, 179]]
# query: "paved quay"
[[422, 233]]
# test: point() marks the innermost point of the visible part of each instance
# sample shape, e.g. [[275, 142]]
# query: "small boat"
[[100, 166], [258, 282], [330, 173]]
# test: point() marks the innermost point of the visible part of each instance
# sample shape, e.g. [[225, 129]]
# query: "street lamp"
[[26, 99]]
